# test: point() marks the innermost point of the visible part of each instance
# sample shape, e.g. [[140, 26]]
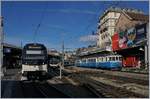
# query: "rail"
[[105, 89]]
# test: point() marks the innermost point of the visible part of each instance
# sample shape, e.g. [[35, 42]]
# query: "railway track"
[[106, 90], [118, 76], [119, 79], [88, 90], [96, 69], [101, 89], [53, 72], [44, 89], [41, 90]]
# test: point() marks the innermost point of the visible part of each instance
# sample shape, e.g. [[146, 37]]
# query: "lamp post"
[[62, 65]]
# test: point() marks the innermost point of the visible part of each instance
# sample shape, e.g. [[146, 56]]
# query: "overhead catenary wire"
[[106, 5], [40, 23]]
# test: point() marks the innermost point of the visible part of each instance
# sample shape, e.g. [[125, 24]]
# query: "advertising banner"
[[122, 39], [132, 36], [115, 42], [140, 32]]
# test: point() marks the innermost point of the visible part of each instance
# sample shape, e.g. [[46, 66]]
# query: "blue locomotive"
[[104, 62]]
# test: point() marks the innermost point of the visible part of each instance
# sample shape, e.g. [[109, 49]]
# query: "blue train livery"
[[104, 62]]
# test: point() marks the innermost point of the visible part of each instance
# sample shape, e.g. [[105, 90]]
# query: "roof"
[[11, 46], [137, 16], [119, 10], [109, 10]]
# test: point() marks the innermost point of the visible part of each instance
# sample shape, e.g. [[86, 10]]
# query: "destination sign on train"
[[34, 47]]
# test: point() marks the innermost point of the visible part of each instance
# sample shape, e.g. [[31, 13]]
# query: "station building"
[[11, 56]]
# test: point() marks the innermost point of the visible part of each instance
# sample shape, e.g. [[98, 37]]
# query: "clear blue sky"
[[62, 20]]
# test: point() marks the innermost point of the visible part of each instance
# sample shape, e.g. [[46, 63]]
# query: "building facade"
[[107, 26], [130, 19], [130, 39]]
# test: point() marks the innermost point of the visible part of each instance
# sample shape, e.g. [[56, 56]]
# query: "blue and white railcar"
[[105, 62], [91, 62], [110, 62]]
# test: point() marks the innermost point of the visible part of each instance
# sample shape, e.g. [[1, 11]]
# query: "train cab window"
[[99, 59], [102, 59], [113, 58], [89, 60], [94, 60], [120, 58], [84, 61], [117, 58], [110, 59], [106, 59]]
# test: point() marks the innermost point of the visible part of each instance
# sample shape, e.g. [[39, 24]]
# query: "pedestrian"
[[139, 64]]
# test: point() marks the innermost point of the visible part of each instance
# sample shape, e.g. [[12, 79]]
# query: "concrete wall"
[[109, 21], [124, 22]]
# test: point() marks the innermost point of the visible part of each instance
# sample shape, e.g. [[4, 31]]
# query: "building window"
[[115, 14]]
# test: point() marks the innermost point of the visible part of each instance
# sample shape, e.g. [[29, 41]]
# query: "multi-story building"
[[107, 24], [128, 20], [131, 39]]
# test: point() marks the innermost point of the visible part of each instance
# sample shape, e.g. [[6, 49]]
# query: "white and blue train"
[[34, 61], [104, 62]]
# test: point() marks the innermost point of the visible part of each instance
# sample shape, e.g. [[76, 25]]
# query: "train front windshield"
[[54, 60], [34, 56]]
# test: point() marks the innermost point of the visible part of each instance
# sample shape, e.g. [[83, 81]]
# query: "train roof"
[[34, 45], [113, 55], [106, 55]]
